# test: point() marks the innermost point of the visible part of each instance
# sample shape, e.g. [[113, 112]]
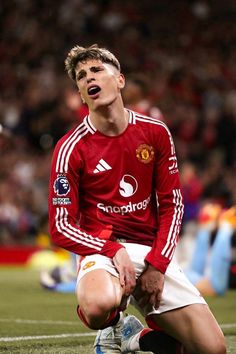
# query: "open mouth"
[[93, 90]]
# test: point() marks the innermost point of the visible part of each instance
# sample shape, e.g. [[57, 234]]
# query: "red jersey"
[[105, 189]]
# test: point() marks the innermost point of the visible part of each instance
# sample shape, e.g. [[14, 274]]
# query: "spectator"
[[210, 267]]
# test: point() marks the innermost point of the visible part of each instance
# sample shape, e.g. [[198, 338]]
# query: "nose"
[[90, 79]]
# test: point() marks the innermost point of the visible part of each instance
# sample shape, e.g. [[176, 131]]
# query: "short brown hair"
[[81, 54]]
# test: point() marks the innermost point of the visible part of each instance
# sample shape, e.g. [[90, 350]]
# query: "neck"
[[110, 120]]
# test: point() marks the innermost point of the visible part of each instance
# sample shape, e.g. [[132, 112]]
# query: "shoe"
[[108, 340], [131, 327], [47, 281]]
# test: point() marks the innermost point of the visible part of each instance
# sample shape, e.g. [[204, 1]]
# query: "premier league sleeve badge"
[[61, 186]]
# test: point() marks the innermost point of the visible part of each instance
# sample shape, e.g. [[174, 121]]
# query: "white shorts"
[[177, 292]]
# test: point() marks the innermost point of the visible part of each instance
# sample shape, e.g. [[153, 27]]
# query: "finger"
[[132, 282], [154, 301], [128, 290], [129, 284], [122, 279]]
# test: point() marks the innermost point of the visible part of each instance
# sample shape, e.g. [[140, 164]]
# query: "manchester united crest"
[[145, 153], [88, 265]]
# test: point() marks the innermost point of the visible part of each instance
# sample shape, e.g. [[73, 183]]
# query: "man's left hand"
[[149, 287]]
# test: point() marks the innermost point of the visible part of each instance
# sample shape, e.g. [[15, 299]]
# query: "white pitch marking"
[[19, 320], [228, 325], [63, 335]]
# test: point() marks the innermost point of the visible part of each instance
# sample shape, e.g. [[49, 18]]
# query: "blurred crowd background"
[[179, 60]]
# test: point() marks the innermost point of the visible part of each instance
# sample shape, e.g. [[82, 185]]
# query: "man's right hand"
[[126, 270]]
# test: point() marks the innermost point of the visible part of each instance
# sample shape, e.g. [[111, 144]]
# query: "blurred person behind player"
[[136, 96], [210, 266], [115, 200]]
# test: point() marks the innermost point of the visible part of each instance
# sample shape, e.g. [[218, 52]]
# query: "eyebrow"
[[92, 69]]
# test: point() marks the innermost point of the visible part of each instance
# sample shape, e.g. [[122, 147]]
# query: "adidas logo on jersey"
[[102, 166]]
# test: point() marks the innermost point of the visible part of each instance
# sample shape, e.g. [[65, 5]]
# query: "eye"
[[80, 75], [96, 69]]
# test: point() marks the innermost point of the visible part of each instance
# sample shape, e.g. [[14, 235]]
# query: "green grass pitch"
[[33, 320]]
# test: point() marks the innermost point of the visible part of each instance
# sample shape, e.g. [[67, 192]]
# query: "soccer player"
[[115, 201]]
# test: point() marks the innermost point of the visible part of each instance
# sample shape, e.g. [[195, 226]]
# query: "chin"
[[102, 104]]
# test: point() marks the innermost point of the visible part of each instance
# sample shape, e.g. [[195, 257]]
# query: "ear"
[[82, 99], [121, 81]]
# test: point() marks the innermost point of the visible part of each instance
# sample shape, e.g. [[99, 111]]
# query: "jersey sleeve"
[[64, 209], [169, 199]]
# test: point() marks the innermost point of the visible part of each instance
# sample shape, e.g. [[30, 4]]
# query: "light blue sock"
[[66, 287], [200, 253], [220, 259]]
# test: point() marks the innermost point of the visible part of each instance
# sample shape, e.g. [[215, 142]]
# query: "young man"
[[115, 200]]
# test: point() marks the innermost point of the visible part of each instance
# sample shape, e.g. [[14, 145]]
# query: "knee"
[[96, 313], [219, 347], [218, 350]]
